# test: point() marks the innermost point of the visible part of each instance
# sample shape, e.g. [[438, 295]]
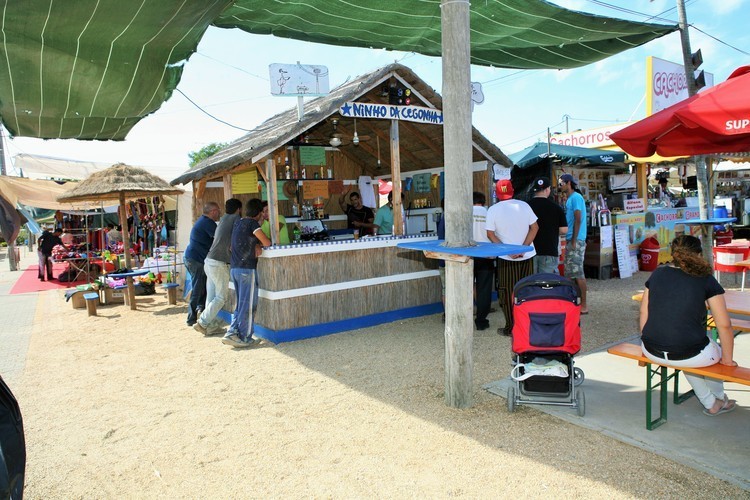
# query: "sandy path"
[[135, 404]]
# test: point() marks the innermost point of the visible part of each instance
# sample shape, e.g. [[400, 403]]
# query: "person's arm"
[[718, 307], [563, 230], [576, 227], [258, 233], [644, 311], [342, 202]]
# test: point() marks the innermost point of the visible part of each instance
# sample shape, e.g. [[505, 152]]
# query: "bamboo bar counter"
[[318, 288]]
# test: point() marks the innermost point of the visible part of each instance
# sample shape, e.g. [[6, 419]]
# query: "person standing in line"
[[216, 267], [511, 222], [679, 338], [552, 223], [575, 238], [201, 239], [356, 213], [441, 262], [484, 269], [247, 242]]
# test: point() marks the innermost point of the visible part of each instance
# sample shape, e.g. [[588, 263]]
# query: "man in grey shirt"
[[216, 266]]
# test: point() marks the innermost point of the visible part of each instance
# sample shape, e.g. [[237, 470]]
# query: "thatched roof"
[[134, 182], [421, 145]]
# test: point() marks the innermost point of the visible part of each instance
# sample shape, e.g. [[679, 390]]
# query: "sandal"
[[726, 407]]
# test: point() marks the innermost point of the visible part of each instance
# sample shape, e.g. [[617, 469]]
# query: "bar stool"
[[92, 299], [171, 292]]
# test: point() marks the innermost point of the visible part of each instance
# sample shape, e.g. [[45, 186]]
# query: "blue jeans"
[[246, 287], [198, 292], [217, 289]]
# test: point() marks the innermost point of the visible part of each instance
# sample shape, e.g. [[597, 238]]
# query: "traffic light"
[[697, 59]]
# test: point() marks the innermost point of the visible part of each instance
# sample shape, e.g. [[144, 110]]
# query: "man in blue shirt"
[[201, 239], [575, 238]]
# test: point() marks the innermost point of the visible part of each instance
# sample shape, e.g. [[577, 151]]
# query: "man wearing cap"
[[552, 223], [511, 222], [575, 238]]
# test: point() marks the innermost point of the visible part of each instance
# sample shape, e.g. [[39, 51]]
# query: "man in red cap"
[[512, 222]]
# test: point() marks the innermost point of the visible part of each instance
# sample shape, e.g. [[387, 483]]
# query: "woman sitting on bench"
[[679, 338]]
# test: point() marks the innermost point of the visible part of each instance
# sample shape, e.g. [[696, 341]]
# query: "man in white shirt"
[[484, 269], [512, 222]]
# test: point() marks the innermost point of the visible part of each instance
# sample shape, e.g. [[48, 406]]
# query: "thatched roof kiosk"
[[419, 145], [302, 286]]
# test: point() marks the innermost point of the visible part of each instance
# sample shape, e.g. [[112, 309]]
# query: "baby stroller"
[[546, 336]]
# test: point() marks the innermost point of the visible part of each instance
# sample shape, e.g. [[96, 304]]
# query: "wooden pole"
[[459, 328], [126, 249], [398, 221], [273, 200], [704, 199]]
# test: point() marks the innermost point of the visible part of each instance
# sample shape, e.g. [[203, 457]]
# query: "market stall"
[[386, 125], [120, 182]]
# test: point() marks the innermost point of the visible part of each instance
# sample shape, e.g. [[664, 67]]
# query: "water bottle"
[[296, 234]]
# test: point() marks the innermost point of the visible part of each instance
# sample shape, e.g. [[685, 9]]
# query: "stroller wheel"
[[581, 403], [511, 399], [578, 376]]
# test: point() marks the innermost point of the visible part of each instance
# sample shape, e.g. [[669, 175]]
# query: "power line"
[[209, 114]]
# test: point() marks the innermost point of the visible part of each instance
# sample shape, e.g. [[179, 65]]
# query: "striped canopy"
[[91, 69]]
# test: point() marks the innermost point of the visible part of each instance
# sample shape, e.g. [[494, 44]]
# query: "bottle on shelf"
[[296, 233]]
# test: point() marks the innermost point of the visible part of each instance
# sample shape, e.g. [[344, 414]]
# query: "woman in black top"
[[679, 338]]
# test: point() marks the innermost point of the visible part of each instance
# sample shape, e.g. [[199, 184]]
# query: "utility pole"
[[704, 200], [2, 153]]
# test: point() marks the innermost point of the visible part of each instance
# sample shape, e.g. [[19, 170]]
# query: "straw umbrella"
[[120, 182]]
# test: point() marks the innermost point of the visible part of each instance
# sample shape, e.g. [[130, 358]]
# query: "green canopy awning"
[[91, 69]]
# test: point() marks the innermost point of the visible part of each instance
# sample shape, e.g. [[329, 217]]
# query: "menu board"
[[312, 155], [246, 182], [315, 189], [622, 242]]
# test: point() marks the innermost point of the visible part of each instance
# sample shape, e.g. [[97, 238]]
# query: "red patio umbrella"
[[716, 120]]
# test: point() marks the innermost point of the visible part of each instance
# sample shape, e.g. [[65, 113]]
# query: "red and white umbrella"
[[716, 120]]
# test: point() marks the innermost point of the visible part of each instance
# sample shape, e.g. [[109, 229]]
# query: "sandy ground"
[[136, 404]]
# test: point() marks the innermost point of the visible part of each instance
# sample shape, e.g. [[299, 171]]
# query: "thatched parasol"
[[120, 182]]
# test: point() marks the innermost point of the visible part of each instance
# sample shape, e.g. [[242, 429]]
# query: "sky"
[[228, 78]]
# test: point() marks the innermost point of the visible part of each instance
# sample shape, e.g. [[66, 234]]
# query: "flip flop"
[[729, 405]]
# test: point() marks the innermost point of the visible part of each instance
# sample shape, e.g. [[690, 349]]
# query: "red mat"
[[29, 280]]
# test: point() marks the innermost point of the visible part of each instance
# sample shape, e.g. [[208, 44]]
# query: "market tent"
[[38, 193], [120, 182], [716, 120], [92, 69], [571, 155]]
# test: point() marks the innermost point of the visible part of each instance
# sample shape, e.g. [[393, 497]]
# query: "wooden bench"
[[92, 299], [735, 374]]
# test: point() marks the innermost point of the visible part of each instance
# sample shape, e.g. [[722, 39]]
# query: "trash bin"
[[723, 237], [649, 254]]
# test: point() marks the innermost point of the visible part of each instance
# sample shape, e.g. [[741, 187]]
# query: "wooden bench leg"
[[91, 307]]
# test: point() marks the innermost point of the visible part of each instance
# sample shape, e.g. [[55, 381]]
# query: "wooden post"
[[398, 220], [227, 182], [126, 249], [459, 327], [273, 200]]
